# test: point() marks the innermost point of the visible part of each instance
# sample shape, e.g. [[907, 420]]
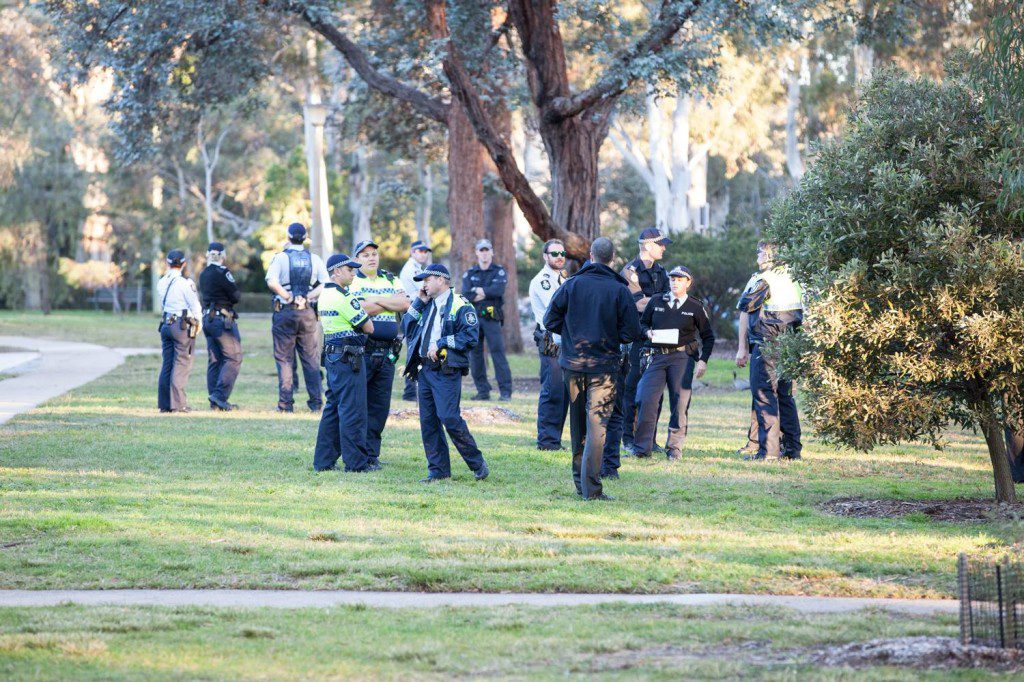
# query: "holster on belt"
[[545, 341], [348, 353]]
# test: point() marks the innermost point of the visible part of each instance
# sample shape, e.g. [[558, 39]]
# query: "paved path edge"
[[295, 599]]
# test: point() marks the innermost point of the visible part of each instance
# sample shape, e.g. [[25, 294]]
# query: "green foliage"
[[914, 271]]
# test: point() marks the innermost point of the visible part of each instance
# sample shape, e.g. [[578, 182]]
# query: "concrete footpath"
[[297, 599], [50, 369]]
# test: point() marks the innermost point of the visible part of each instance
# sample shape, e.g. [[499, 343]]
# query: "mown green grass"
[[97, 490], [615, 641]]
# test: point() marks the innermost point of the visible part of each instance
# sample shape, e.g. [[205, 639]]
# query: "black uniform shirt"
[[690, 319], [492, 280], [218, 288], [650, 280]]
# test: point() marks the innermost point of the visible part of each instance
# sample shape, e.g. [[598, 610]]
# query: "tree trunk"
[[465, 192], [679, 214], [32, 266], [361, 195], [573, 145], [697, 194], [660, 168], [794, 163], [425, 202], [992, 428]]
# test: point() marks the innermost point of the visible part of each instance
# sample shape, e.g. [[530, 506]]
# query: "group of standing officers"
[[609, 344]]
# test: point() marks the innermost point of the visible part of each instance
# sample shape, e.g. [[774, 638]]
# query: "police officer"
[[342, 431], [553, 404], [220, 294], [595, 314], [296, 277], [180, 323], [419, 256], [484, 285], [672, 322], [645, 279], [771, 304], [382, 297], [440, 330]]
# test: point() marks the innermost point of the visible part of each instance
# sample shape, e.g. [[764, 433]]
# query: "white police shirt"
[[410, 270], [179, 293], [435, 330], [279, 271], [542, 289]]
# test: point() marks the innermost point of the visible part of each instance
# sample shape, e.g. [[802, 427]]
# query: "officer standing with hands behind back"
[[484, 285], [220, 294], [179, 326], [296, 277]]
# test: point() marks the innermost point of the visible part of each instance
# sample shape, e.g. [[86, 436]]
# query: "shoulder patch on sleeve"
[[545, 284], [501, 272], [471, 318], [354, 303], [229, 277]]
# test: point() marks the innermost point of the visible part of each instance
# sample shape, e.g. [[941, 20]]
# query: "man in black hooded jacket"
[[594, 313]]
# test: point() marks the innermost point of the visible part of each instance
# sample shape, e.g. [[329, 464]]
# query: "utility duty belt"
[[226, 313], [349, 352], [492, 312], [187, 323], [392, 349]]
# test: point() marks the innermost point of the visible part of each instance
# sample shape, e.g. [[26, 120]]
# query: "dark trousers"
[[342, 431], [409, 393], [553, 404], [632, 379], [224, 347], [440, 397], [293, 330], [611, 460], [591, 400], [380, 376], [176, 349], [674, 370], [1015, 453], [777, 420], [490, 331]]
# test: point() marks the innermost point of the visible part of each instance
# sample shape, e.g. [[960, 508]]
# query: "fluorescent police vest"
[[785, 293], [341, 316], [385, 323]]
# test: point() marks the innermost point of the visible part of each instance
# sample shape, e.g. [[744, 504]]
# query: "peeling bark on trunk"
[[573, 146], [465, 192]]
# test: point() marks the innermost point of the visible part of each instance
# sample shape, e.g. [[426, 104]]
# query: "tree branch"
[[431, 107], [624, 143], [463, 91], [671, 18]]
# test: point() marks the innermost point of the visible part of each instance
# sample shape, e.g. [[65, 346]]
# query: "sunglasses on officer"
[[558, 254]]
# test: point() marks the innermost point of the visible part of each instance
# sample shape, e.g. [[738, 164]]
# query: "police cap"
[[681, 271], [433, 269], [296, 231], [175, 257], [419, 246], [339, 259], [366, 243], [652, 235], [215, 246]]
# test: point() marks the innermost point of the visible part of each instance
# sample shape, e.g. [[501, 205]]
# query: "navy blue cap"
[[175, 257], [362, 245], [296, 230], [215, 246], [339, 259], [433, 269], [652, 235], [681, 271], [418, 245]]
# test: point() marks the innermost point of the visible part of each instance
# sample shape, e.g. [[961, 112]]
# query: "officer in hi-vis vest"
[[296, 277]]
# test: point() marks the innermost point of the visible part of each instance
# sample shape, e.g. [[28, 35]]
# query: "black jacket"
[[218, 288], [594, 312], [691, 320]]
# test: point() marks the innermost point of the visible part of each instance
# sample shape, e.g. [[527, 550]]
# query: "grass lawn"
[[615, 641], [97, 490]]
